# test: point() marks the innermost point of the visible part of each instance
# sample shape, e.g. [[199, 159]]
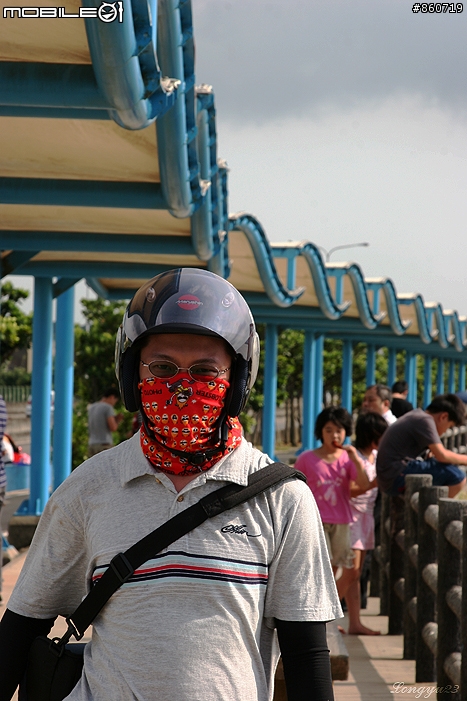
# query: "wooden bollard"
[[464, 612], [376, 555], [425, 659], [396, 566], [413, 484], [384, 556], [451, 513]]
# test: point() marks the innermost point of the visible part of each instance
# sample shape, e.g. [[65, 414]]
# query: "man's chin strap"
[[197, 459]]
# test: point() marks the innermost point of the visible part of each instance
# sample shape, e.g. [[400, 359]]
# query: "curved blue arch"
[[312, 255], [220, 262], [456, 338], [354, 272], [177, 129], [205, 221], [386, 285], [125, 64], [222, 258], [463, 330], [187, 141], [417, 300], [264, 259], [442, 336], [201, 219]]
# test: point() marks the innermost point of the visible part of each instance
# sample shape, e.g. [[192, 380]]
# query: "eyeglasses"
[[166, 370]]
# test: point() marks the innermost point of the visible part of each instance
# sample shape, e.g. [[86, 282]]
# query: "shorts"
[[95, 448], [443, 474], [338, 541]]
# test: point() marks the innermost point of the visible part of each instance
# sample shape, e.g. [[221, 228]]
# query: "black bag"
[[53, 670], [54, 666]]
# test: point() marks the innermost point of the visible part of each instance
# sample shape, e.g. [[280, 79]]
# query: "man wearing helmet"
[[198, 620]]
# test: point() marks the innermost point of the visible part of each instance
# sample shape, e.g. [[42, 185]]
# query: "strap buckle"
[[57, 645], [121, 567]]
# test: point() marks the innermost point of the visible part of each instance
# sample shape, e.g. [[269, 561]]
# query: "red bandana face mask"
[[183, 414]]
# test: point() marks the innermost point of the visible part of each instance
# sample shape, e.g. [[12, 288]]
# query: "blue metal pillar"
[[319, 382], [440, 377], [370, 365], [427, 384], [270, 390], [63, 383], [461, 376], [451, 376], [309, 361], [347, 360], [41, 388], [411, 376], [392, 366]]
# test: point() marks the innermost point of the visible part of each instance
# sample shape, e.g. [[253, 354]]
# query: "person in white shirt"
[[378, 398]]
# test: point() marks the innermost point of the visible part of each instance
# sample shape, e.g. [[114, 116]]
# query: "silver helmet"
[[189, 300]]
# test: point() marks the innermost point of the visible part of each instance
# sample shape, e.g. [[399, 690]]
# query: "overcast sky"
[[346, 122], [343, 122]]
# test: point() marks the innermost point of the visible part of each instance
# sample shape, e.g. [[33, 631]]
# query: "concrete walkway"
[[376, 663], [377, 670]]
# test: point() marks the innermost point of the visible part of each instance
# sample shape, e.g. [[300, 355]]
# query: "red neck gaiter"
[[184, 414]]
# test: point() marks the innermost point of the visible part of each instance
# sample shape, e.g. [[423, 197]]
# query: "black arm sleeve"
[[16, 636], [306, 661]]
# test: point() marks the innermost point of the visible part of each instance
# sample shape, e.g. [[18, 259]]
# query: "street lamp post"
[[328, 254]]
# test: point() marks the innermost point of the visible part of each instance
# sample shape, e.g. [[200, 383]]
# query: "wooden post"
[[396, 566], [376, 554], [384, 555], [413, 484], [425, 643], [451, 513], [464, 612]]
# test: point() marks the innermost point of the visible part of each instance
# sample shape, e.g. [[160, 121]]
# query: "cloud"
[[393, 175], [268, 59]]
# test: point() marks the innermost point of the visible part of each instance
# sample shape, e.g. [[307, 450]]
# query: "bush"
[[81, 435], [16, 377]]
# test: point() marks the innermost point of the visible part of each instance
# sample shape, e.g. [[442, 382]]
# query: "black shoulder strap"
[[124, 564]]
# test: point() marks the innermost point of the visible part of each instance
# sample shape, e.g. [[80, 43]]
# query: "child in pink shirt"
[[330, 470], [368, 431]]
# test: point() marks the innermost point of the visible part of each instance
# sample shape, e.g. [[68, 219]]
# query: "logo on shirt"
[[239, 530]]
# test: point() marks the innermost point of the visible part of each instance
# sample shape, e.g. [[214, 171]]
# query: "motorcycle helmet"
[[189, 300]]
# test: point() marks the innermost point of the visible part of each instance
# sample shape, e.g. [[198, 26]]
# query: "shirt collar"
[[233, 467], [133, 464], [389, 416]]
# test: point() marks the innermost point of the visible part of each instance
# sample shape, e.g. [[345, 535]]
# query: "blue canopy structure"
[[109, 171]]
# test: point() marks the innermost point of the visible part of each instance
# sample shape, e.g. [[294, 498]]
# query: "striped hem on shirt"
[[182, 566]]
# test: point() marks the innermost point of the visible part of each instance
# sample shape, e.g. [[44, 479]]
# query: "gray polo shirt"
[[195, 623], [404, 440], [99, 431]]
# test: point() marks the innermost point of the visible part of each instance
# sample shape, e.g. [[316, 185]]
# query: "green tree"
[[15, 377], [95, 368], [289, 385], [251, 416], [95, 348], [15, 325], [290, 380]]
